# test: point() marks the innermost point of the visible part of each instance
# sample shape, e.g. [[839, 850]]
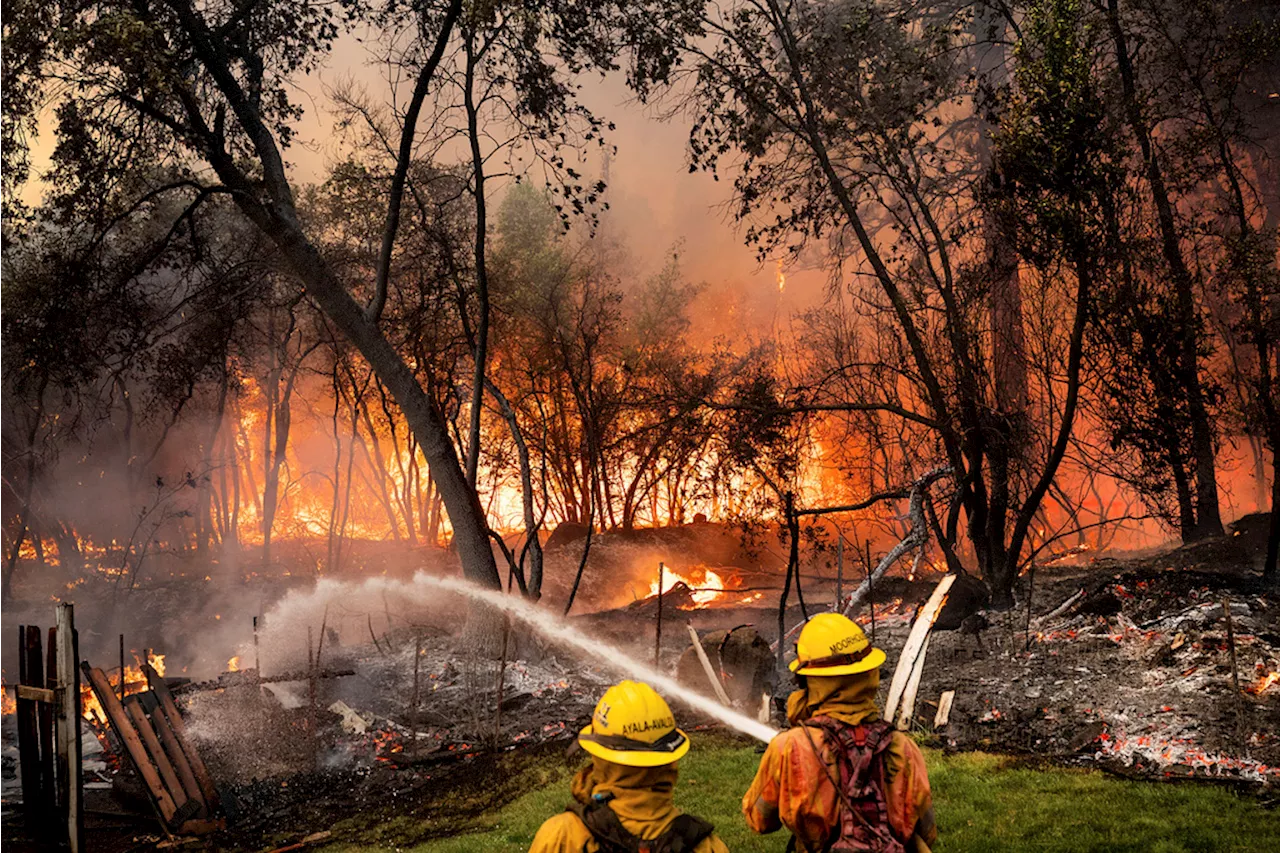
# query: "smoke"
[[429, 596]]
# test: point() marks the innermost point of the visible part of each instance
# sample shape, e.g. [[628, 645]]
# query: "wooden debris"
[[174, 719], [914, 646], [943, 716], [128, 736], [908, 707], [35, 694], [313, 838], [1064, 607], [712, 676], [69, 758], [153, 735]]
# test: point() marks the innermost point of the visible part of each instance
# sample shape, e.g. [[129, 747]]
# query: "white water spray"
[[554, 627]]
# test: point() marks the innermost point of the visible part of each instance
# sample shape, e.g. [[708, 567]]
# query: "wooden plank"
[[945, 702], [28, 725], [170, 709], [712, 676], [158, 758], [70, 770], [36, 694], [179, 759], [908, 706], [915, 642], [123, 726], [46, 711]]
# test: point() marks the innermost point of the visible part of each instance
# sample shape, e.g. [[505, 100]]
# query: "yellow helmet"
[[633, 725], [831, 644]]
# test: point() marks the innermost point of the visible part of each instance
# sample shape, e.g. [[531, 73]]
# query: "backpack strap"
[[684, 834], [605, 828]]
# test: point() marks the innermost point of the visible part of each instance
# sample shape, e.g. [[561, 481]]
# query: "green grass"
[[984, 803]]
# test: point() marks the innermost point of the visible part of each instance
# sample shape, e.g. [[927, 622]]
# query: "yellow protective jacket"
[[792, 788], [643, 800]]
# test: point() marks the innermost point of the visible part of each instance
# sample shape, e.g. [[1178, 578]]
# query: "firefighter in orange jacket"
[[623, 801], [841, 779]]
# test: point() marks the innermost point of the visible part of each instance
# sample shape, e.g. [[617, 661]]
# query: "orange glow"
[[706, 586], [1263, 683], [8, 704], [386, 742], [233, 665], [891, 609], [135, 681]]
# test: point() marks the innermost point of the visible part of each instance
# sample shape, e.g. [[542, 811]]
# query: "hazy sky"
[[654, 201]]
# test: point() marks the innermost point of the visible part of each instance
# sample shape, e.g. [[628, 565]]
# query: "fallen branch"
[[916, 537], [1064, 607], [912, 659]]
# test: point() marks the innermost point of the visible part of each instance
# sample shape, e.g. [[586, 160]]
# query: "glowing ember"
[[385, 742], [233, 665], [1263, 683], [884, 611]]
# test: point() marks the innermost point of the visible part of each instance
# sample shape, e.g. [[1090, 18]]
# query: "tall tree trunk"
[[1208, 516], [460, 499], [481, 343]]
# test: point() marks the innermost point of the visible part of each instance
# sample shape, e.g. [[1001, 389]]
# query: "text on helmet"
[[648, 726], [844, 645]]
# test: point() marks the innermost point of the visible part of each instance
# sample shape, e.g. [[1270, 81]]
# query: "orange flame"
[[135, 681], [1263, 683], [705, 585]]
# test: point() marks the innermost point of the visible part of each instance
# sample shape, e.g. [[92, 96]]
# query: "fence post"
[[70, 770]]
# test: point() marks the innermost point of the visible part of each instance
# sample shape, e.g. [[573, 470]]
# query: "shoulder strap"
[[605, 828], [685, 833]]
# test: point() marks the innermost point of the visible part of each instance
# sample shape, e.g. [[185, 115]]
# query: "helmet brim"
[[874, 660], [633, 757]]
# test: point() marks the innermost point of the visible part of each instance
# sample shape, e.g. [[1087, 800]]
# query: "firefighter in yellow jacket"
[[841, 779], [623, 801]]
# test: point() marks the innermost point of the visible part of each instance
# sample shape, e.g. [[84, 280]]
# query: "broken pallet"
[[153, 736]]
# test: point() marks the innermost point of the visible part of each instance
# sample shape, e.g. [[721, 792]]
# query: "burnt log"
[[967, 596], [741, 657]]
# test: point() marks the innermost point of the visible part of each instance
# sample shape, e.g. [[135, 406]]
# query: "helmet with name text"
[[633, 725], [831, 644]]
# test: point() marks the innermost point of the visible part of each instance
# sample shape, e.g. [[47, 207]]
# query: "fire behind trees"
[[1050, 228]]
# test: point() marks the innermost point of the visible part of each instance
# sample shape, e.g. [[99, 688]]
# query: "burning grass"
[[984, 802]]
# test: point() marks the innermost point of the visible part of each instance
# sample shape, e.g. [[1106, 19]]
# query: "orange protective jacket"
[[792, 788], [643, 800]]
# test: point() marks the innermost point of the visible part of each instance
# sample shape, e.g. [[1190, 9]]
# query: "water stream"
[[555, 627]]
